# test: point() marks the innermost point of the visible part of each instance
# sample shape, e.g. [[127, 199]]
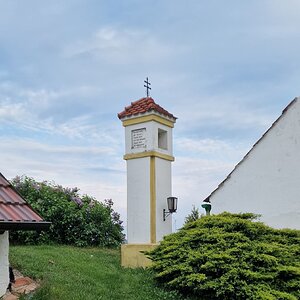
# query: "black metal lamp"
[[172, 207]]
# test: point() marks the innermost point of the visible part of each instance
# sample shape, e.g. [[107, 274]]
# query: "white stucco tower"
[[149, 155]]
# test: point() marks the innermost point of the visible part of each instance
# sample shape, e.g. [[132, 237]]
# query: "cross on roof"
[[147, 86]]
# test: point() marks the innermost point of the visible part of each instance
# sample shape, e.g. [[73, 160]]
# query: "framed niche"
[[138, 138], [162, 139]]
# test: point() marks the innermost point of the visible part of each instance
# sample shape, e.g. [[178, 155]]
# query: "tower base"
[[132, 256]]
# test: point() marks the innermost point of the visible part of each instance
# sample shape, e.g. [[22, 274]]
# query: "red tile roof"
[[142, 106], [14, 211]]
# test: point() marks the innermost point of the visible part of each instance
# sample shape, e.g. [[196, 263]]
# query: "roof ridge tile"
[[144, 105]]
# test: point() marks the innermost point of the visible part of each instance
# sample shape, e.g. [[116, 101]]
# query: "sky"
[[226, 69]]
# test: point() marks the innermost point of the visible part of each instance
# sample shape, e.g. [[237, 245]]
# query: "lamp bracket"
[[166, 214]]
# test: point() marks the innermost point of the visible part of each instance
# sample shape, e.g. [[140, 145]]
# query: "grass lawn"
[[84, 273]]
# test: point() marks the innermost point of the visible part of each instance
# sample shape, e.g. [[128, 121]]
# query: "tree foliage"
[[76, 220], [230, 256], [193, 216]]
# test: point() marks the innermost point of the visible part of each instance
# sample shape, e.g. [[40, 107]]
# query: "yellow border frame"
[[152, 200], [148, 154], [148, 118]]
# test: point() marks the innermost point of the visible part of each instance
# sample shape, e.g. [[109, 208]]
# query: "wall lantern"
[[207, 206], [172, 207]]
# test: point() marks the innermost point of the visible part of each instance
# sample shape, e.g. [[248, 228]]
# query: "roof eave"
[[23, 225], [149, 112]]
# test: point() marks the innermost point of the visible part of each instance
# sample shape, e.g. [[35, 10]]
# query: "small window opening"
[[162, 139]]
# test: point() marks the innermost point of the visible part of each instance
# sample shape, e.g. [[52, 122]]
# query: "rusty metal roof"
[[15, 213]]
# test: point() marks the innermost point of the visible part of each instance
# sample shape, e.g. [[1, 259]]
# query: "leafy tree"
[[193, 216], [230, 256], [76, 220]]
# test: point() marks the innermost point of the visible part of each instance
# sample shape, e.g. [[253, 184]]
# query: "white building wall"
[[138, 200], [163, 191], [267, 181], [4, 264]]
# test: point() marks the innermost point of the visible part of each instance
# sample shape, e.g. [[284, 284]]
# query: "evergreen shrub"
[[230, 256], [76, 220]]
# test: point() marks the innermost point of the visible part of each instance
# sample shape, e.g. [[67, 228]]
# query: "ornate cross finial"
[[147, 86]]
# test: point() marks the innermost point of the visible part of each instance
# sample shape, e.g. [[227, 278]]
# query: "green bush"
[[230, 256], [76, 220]]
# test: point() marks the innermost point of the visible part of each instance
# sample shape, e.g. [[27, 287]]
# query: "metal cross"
[[147, 86]]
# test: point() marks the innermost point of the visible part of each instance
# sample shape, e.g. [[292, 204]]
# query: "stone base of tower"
[[132, 255]]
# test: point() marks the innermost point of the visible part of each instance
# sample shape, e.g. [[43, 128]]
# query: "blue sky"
[[226, 69]]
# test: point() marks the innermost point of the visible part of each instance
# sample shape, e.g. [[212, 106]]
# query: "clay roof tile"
[[143, 105]]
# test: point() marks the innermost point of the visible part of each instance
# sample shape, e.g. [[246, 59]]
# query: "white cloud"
[[115, 45], [37, 110], [67, 165], [202, 145], [230, 112], [8, 144], [12, 112], [224, 73]]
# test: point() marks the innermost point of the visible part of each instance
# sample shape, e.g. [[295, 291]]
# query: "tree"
[[230, 256], [193, 216], [76, 220]]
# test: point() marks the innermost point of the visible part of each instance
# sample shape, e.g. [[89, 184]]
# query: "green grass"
[[84, 273]]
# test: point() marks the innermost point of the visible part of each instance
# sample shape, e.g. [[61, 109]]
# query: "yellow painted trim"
[[152, 200], [132, 255], [148, 118], [147, 154]]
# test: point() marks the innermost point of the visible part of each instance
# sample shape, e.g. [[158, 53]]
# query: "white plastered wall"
[[138, 200], [163, 191], [4, 264], [267, 181]]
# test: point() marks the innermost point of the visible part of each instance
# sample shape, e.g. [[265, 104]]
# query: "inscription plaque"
[[138, 138]]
